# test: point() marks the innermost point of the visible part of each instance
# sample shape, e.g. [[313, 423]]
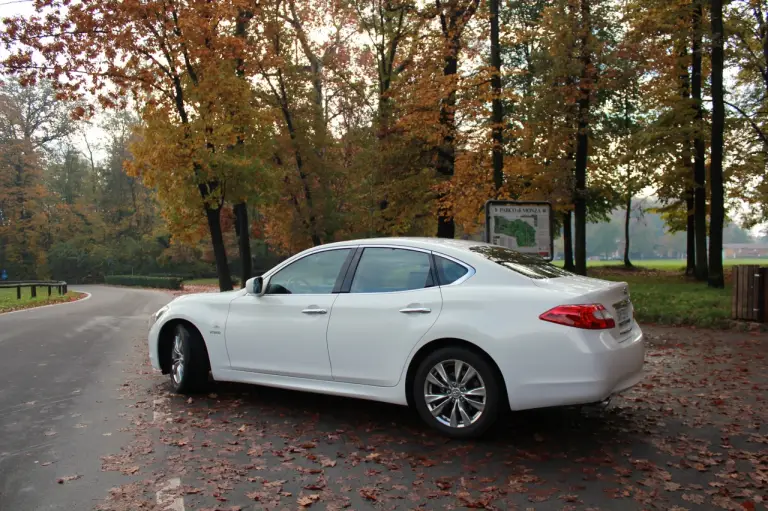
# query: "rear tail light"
[[589, 317]]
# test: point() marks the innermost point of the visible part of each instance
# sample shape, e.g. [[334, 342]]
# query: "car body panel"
[[208, 312], [272, 334], [495, 309], [369, 339]]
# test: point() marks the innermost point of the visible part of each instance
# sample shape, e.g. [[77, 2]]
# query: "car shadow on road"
[[559, 428], [377, 444]]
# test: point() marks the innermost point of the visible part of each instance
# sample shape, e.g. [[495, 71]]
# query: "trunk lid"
[[614, 296]]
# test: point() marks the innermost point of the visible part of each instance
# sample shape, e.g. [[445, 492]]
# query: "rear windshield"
[[529, 265]]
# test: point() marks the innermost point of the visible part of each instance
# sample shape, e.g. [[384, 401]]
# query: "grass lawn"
[[8, 301], [667, 264], [669, 298], [662, 295]]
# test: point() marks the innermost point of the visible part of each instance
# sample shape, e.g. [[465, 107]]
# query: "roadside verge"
[[8, 306]]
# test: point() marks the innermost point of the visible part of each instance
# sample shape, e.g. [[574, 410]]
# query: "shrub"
[[144, 281]]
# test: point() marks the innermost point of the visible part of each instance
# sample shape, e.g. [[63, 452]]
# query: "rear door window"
[[387, 270], [528, 265]]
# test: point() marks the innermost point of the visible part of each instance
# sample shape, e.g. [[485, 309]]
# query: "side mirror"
[[255, 286]]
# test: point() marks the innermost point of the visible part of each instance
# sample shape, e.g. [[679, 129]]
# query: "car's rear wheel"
[[189, 361], [457, 392]]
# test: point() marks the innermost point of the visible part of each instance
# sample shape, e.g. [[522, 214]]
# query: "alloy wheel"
[[177, 359], [454, 393]]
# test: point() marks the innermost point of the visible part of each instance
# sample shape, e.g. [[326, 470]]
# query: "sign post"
[[522, 226]]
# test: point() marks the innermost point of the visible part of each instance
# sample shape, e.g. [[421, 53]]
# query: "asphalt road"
[[79, 399], [61, 368]]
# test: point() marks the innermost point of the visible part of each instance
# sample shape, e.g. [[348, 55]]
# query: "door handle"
[[315, 311], [416, 310]]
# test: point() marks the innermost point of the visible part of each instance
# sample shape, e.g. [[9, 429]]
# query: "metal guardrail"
[[33, 285]]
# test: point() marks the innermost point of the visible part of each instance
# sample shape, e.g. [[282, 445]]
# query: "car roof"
[[457, 248]]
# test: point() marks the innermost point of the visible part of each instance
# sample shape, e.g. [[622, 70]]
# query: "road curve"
[[60, 371]]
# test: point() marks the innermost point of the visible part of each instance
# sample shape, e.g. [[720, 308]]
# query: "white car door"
[[283, 332], [391, 302]]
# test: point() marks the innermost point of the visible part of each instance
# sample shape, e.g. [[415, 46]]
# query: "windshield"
[[528, 265]]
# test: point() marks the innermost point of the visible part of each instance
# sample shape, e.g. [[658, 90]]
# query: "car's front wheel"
[[457, 392], [189, 361]]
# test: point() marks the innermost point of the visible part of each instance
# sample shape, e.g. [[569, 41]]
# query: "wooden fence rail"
[[750, 293], [33, 285]]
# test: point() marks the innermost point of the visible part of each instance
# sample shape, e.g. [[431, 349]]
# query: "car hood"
[[224, 297]]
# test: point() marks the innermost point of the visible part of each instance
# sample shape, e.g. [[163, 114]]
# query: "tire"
[[189, 361], [445, 415]]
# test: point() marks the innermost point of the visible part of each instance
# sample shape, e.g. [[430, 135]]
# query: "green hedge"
[[144, 281]]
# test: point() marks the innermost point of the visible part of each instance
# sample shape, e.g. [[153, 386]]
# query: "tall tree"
[[684, 83], [242, 226], [393, 167], [31, 120], [568, 242], [585, 87], [662, 32], [699, 170], [497, 115], [746, 23], [168, 56], [717, 214], [454, 15]]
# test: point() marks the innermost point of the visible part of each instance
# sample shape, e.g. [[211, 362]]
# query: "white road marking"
[[4, 455], [170, 502], [33, 404], [156, 415]]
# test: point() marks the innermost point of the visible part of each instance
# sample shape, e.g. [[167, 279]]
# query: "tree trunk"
[[627, 217], [310, 222], [717, 214], [686, 164], [699, 170], [497, 114], [690, 191], [582, 142], [568, 242], [690, 235], [446, 153], [242, 227], [219, 251]]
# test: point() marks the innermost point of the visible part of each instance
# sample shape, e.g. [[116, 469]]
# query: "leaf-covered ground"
[[693, 436]]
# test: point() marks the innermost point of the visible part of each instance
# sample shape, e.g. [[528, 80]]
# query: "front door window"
[[315, 274]]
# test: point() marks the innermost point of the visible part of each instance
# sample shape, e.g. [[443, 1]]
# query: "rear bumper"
[[587, 371]]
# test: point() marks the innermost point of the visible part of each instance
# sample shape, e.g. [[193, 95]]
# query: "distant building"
[[745, 250]]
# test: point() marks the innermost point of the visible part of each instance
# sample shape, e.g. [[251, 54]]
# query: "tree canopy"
[[300, 123]]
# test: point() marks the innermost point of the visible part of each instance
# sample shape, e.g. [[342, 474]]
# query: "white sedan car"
[[459, 330]]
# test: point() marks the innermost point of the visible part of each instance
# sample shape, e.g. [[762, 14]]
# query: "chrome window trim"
[[400, 247]]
